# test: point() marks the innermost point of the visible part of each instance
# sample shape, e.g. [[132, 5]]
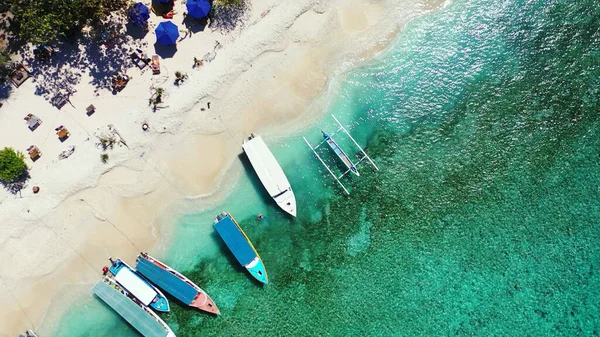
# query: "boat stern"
[[160, 304], [257, 270]]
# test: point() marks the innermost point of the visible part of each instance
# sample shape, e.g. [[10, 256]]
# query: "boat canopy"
[[131, 312], [135, 285], [166, 281], [235, 240]]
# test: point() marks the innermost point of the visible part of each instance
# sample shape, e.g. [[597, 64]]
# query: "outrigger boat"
[[145, 292], [28, 333], [240, 246], [270, 173], [131, 309], [328, 138], [175, 283], [340, 153]]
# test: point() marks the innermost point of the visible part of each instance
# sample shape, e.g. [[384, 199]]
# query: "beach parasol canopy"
[[166, 33], [198, 8], [138, 14]]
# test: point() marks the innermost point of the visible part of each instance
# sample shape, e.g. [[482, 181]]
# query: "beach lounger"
[[32, 121], [62, 133], [155, 64], [90, 109], [34, 152], [58, 101], [138, 61], [19, 76]]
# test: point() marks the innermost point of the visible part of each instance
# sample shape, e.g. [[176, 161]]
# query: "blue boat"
[[174, 283], [137, 286], [340, 153], [240, 246]]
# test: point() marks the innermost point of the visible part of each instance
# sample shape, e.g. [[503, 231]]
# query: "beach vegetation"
[[12, 165], [104, 158], [41, 21], [156, 98], [108, 142], [227, 14], [180, 77], [228, 3]]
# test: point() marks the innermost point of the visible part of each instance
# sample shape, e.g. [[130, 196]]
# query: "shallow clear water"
[[484, 218]]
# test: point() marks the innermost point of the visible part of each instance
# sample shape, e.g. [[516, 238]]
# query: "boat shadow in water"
[[233, 262]]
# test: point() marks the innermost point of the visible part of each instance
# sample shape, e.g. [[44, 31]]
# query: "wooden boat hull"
[[241, 247], [175, 284], [340, 153]]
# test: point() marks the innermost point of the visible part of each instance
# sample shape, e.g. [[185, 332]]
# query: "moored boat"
[[131, 309], [174, 283], [340, 153], [138, 286], [270, 173], [241, 247]]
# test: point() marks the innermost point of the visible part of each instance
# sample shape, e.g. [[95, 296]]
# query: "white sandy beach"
[[264, 79]]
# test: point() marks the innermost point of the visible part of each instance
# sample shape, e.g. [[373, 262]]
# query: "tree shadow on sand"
[[17, 185], [101, 57], [227, 18]]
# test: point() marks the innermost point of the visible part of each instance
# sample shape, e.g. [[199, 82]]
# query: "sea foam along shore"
[[268, 72]]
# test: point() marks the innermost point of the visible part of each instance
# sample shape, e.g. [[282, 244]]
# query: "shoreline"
[[155, 184]]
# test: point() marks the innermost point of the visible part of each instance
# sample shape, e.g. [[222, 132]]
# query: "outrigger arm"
[[365, 155], [327, 167]]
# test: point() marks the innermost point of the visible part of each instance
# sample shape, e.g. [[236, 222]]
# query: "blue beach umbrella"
[[166, 33], [198, 8], [138, 14]]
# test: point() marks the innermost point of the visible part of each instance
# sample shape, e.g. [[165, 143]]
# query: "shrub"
[[12, 165]]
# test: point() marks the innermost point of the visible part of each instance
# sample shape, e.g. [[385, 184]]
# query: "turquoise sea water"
[[484, 220]]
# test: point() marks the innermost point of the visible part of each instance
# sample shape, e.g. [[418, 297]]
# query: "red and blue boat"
[[241, 247], [174, 283]]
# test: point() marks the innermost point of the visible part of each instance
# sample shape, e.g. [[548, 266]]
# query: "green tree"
[[12, 165], [40, 21]]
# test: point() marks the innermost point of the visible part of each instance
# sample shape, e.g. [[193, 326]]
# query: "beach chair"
[[32, 121], [155, 64], [137, 60], [62, 133], [19, 75], [90, 109], [59, 101], [34, 152]]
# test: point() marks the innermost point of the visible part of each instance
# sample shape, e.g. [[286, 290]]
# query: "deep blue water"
[[484, 219]]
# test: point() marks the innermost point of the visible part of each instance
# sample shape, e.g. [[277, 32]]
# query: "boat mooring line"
[[186, 197], [19, 304], [65, 241], [112, 224]]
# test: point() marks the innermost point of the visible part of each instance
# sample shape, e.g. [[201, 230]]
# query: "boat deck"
[[170, 283], [131, 312], [235, 240]]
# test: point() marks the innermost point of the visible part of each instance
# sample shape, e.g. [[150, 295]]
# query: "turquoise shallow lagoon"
[[484, 220]]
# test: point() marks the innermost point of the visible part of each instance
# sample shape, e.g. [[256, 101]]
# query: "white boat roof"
[[269, 171], [135, 286]]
